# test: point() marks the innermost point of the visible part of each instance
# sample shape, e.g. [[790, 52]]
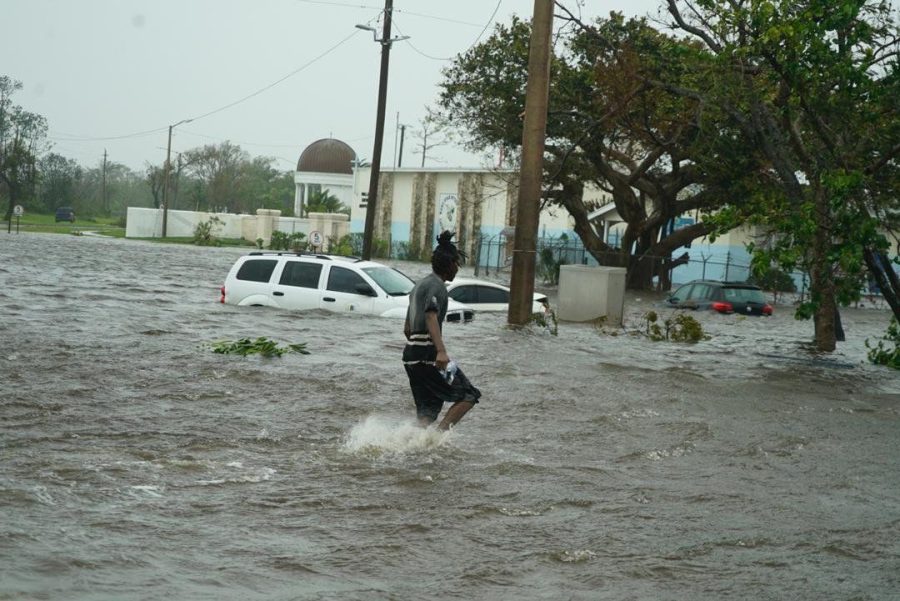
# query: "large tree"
[[814, 84], [60, 181], [22, 135], [218, 170], [657, 155]]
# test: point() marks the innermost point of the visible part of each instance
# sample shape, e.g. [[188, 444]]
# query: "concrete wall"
[[147, 223]]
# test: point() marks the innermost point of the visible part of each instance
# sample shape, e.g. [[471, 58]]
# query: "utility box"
[[587, 293]]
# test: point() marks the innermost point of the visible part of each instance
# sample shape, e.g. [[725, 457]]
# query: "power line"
[[472, 45], [275, 83], [77, 138], [396, 10]]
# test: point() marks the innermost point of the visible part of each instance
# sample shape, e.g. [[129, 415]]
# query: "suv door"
[[299, 285], [345, 291]]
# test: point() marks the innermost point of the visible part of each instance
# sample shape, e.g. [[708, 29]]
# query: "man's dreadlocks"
[[445, 253]]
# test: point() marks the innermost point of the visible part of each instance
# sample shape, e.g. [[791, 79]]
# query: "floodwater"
[[135, 463]]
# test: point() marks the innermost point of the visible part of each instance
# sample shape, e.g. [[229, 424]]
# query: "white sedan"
[[482, 295]]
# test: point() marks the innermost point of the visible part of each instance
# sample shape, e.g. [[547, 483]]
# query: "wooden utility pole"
[[400, 155], [372, 200], [104, 197], [166, 169], [531, 173]]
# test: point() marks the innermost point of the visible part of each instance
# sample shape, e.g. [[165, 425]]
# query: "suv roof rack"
[[302, 253]]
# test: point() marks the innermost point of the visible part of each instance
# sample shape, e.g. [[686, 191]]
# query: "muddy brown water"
[[135, 463]]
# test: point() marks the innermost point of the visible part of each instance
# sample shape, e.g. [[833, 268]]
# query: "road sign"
[[316, 238], [18, 210]]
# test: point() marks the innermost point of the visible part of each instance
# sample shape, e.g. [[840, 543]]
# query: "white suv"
[[310, 281]]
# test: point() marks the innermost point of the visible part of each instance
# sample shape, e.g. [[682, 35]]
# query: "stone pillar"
[[265, 224]]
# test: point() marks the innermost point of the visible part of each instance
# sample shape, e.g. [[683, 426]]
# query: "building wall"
[[414, 204]]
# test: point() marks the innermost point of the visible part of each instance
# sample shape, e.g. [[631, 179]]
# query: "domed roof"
[[327, 156]]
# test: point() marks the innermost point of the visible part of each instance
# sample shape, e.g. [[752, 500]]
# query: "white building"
[[480, 205]]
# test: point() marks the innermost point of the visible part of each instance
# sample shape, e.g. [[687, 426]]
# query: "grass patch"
[[47, 224]]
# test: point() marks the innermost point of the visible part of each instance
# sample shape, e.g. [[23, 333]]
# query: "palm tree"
[[323, 201]]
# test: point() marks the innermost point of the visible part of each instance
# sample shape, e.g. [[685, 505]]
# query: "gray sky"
[[269, 75]]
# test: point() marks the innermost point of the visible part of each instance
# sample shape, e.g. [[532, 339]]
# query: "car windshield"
[[390, 280], [744, 295]]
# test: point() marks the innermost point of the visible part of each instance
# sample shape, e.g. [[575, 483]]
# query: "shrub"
[[548, 266], [284, 241], [881, 353], [680, 328], [204, 233]]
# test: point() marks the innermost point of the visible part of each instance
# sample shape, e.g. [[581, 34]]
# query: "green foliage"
[[284, 241], [773, 279], [381, 248], [411, 251], [260, 346], [679, 328], [323, 201], [548, 266], [819, 107], [546, 320], [343, 247], [881, 352], [204, 232]]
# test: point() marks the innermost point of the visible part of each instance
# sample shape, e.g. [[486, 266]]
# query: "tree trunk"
[[881, 269], [821, 280]]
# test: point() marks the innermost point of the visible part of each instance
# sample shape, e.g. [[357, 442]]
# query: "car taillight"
[[767, 309], [722, 307], [222, 299]]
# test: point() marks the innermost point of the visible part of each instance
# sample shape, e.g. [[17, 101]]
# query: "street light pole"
[[372, 201], [166, 176]]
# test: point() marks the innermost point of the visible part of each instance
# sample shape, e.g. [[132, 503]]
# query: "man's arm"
[[407, 331], [434, 330]]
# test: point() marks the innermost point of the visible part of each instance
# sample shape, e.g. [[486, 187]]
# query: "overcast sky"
[[269, 75]]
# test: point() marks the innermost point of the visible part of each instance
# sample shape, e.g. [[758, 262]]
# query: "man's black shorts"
[[431, 391]]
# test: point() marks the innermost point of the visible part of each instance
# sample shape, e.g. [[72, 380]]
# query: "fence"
[[495, 256]]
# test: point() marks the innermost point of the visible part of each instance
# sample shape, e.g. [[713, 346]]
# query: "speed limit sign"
[[315, 238]]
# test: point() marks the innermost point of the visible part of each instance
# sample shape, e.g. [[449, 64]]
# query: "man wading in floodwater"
[[425, 356]]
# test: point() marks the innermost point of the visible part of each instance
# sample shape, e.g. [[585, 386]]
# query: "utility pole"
[[400, 155], [531, 173], [166, 169], [372, 201], [103, 199]]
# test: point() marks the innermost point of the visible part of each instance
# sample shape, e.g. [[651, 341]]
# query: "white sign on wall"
[[448, 211]]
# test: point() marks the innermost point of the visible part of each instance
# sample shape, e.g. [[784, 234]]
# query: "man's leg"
[[454, 414]]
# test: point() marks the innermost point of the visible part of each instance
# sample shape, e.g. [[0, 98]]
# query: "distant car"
[[65, 214], [482, 295], [301, 281], [723, 297]]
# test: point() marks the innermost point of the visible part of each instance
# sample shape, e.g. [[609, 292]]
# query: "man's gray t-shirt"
[[430, 294]]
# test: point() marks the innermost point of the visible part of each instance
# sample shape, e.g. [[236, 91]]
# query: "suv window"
[[298, 273], [753, 295], [703, 292], [257, 270], [341, 279]]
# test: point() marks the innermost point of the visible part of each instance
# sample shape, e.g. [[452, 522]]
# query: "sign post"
[[316, 240], [18, 211]]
